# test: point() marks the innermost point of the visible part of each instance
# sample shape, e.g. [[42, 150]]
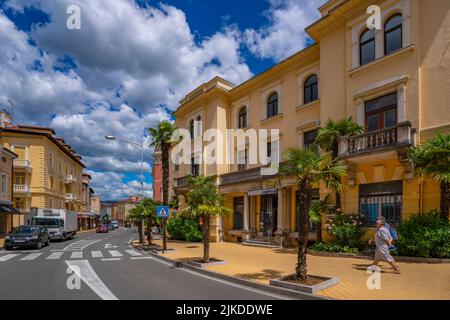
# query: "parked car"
[[102, 229], [27, 237], [115, 224]]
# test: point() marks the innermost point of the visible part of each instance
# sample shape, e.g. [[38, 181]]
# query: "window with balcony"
[[238, 213], [272, 105], [393, 29], [309, 137], [311, 90], [242, 118], [381, 113], [367, 47], [381, 200]]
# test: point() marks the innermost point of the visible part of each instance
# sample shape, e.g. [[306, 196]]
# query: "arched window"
[[311, 89], [367, 47], [272, 105], [393, 34], [242, 118], [191, 129]]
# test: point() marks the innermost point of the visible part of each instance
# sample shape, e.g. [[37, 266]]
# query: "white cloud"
[[284, 35]]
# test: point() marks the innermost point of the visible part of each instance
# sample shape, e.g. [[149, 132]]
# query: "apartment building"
[[394, 81], [9, 216], [95, 203], [47, 172]]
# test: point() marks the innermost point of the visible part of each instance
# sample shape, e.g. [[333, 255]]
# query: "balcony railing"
[[21, 188], [400, 135], [71, 197], [71, 179], [22, 164], [252, 174], [181, 182]]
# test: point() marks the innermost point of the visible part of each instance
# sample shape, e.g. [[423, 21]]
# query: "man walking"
[[383, 241]]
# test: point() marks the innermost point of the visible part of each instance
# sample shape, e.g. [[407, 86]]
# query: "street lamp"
[[140, 147]]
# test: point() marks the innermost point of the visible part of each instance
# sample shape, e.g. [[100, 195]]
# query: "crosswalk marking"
[[8, 257], [97, 254], [115, 253], [133, 253], [31, 256], [55, 255], [77, 255]]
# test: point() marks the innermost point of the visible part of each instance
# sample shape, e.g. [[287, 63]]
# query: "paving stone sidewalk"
[[417, 281]]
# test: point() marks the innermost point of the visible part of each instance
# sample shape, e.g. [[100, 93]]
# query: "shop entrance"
[[268, 216]]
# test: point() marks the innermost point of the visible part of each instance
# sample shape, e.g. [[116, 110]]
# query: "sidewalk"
[[417, 281]]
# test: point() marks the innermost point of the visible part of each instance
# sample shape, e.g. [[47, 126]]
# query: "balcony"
[[181, 183], [22, 164], [70, 197], [71, 179], [396, 138], [236, 177], [22, 189]]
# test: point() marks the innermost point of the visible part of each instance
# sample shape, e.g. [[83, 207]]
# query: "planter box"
[[313, 289], [202, 265]]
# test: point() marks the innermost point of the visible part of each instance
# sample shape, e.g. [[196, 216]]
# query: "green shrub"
[[424, 235], [331, 247], [184, 229], [346, 230]]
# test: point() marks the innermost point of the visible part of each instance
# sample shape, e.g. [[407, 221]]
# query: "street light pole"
[[140, 148]]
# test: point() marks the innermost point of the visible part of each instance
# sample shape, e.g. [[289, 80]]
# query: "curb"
[[397, 258], [277, 290]]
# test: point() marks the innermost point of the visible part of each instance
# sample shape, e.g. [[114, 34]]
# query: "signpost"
[[163, 213]]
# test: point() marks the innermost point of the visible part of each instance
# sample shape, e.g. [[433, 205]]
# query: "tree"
[[328, 138], [145, 211], [162, 138], [204, 202], [319, 207], [432, 159], [309, 165]]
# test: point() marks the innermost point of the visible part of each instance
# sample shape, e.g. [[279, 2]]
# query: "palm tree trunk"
[[319, 231], [141, 232], [206, 238], [165, 169], [303, 228], [149, 234], [445, 200]]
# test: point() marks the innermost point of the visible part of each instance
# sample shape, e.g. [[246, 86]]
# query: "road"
[[109, 269]]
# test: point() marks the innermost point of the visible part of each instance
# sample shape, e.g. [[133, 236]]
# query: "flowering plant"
[[346, 229]]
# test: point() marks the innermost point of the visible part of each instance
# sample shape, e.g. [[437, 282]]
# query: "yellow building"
[[47, 171], [394, 81]]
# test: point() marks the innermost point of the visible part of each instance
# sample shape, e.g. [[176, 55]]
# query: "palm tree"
[[162, 138], [319, 207], [204, 202], [309, 165], [328, 138], [145, 211], [432, 159]]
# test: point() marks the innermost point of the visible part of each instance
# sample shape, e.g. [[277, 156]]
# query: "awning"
[[262, 192], [8, 209]]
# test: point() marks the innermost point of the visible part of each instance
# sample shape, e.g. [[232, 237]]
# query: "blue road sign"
[[162, 211]]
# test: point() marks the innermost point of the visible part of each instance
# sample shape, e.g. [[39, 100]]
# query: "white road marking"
[[87, 274], [112, 259], [133, 253], [97, 254], [31, 256], [80, 245], [55, 255], [77, 255], [8, 257], [115, 253], [141, 258]]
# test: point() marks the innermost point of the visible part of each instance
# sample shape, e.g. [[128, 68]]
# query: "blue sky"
[[130, 64]]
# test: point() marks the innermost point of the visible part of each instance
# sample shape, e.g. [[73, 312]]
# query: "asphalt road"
[[105, 266]]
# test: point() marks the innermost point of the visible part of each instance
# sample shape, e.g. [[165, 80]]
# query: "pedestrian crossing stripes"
[[108, 255]]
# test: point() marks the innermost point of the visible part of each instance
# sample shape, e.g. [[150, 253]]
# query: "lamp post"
[[140, 148]]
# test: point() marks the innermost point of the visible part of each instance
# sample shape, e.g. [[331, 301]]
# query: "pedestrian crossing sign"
[[162, 211]]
